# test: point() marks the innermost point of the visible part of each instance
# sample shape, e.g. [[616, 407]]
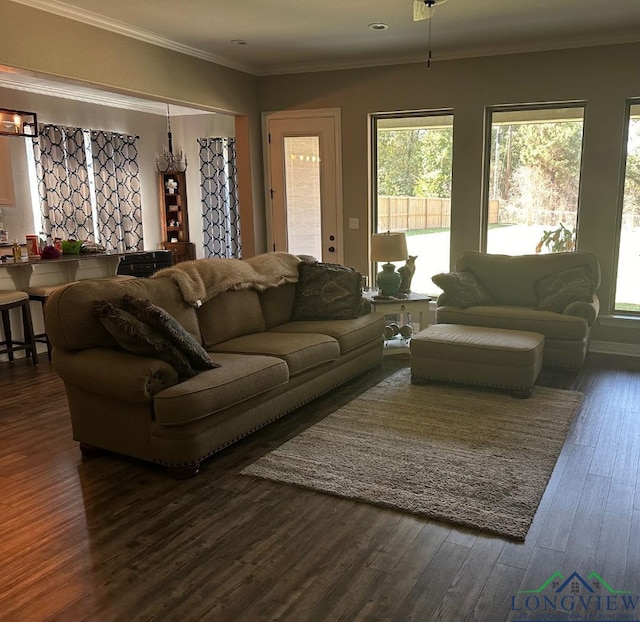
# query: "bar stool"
[[13, 299], [41, 294]]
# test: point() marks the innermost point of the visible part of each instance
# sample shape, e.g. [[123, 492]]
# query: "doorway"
[[304, 183]]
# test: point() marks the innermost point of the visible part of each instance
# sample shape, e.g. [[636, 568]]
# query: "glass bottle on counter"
[[17, 251]]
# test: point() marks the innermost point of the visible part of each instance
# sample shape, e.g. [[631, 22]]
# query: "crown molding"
[[456, 54], [99, 21], [102, 98], [92, 95]]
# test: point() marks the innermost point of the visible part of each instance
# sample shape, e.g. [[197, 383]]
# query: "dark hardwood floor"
[[111, 539]]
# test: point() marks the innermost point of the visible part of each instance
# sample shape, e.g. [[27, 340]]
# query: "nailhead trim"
[[266, 423], [479, 384]]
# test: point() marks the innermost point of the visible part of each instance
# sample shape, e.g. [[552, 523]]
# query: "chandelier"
[[167, 161]]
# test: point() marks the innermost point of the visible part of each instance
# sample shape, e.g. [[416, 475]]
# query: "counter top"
[[30, 261], [33, 271]]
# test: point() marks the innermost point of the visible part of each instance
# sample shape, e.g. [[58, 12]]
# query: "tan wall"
[[603, 77]]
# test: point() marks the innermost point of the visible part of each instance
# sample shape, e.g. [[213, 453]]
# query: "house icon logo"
[[575, 598]]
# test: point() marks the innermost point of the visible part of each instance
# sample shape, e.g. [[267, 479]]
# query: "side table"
[[417, 305]]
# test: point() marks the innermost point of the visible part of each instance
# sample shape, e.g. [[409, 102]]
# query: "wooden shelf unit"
[[174, 216], [173, 208]]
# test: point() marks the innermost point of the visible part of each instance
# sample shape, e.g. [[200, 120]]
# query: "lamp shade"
[[388, 247]]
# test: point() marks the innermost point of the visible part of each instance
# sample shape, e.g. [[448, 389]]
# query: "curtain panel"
[[89, 186], [219, 192], [117, 190], [63, 183]]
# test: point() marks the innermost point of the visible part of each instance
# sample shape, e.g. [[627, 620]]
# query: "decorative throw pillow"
[[326, 291], [156, 317], [136, 337], [556, 291], [461, 289]]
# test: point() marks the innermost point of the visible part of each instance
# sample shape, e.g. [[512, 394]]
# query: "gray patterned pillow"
[[461, 289], [136, 337], [326, 291], [156, 317], [556, 291]]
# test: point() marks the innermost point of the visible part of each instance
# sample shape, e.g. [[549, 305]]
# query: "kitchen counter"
[[33, 271]]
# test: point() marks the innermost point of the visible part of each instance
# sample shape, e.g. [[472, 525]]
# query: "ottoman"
[[493, 357]]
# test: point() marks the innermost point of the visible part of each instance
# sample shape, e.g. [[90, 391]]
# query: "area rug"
[[473, 457]]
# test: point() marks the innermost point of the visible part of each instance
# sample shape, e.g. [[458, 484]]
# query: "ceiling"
[[285, 36]]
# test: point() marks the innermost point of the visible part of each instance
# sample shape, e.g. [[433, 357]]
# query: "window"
[[627, 297], [533, 179], [413, 158]]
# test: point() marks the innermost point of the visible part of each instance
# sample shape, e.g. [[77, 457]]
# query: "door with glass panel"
[[304, 184]]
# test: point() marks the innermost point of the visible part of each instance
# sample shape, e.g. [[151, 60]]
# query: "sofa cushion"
[[138, 338], [277, 304], [72, 325], [239, 378], [327, 292], [156, 317], [300, 351], [350, 334], [557, 290], [550, 324], [229, 315], [510, 279], [461, 289]]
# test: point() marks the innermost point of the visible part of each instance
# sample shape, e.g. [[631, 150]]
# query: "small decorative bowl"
[[70, 247], [50, 252]]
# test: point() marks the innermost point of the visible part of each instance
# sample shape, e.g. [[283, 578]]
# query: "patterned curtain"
[[117, 188], [63, 187], [220, 210]]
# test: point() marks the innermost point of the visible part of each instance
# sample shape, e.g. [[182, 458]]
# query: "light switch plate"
[[354, 223]]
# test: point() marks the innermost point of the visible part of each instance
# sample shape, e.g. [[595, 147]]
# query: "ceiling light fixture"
[[238, 42], [169, 162], [424, 9], [378, 26]]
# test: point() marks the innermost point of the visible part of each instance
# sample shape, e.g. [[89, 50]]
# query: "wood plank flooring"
[[112, 539]]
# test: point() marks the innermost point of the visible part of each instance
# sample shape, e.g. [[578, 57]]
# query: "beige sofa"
[[513, 285], [269, 365]]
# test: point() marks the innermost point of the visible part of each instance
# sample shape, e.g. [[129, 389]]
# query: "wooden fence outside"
[[414, 213]]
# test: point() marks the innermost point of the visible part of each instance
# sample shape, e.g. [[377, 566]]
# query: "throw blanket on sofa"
[[202, 279]]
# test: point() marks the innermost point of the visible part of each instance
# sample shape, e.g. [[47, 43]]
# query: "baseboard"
[[613, 347]]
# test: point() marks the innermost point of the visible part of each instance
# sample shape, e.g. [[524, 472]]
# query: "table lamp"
[[388, 247]]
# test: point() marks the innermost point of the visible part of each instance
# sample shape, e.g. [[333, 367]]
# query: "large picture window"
[[533, 179], [413, 188], [627, 291]]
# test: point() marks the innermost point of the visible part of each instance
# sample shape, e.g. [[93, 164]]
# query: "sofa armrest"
[[114, 373], [587, 310]]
